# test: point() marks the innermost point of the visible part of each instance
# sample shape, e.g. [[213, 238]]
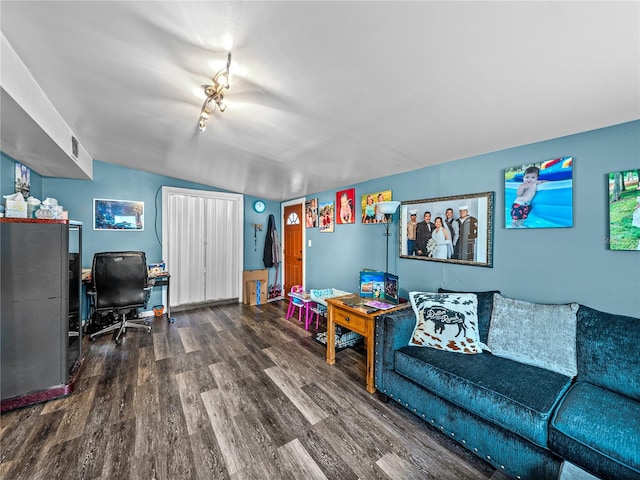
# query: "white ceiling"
[[325, 94]]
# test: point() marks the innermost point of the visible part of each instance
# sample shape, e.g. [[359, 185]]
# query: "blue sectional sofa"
[[523, 419]]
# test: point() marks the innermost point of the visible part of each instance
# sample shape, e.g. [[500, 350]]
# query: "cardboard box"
[[249, 276], [15, 209], [257, 292]]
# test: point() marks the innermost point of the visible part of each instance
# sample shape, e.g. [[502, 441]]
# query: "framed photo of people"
[[456, 229], [326, 214], [370, 213]]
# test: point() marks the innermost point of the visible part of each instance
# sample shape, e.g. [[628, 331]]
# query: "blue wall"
[[555, 265], [115, 182], [544, 265]]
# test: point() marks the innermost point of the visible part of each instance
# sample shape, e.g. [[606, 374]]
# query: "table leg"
[[331, 338], [370, 363], [308, 315], [171, 320]]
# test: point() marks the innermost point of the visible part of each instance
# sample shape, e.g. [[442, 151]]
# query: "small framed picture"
[[311, 213], [326, 212], [118, 215]]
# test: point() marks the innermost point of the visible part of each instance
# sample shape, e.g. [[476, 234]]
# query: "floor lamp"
[[388, 208]]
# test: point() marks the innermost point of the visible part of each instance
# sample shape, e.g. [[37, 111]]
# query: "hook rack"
[[256, 228]]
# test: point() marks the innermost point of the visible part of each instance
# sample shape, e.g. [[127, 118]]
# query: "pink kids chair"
[[295, 303]]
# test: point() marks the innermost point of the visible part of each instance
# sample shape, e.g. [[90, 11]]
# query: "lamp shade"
[[388, 208]]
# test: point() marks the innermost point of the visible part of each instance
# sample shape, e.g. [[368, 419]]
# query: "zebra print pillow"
[[446, 321]]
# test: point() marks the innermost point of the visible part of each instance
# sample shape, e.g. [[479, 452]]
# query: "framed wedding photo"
[[456, 229]]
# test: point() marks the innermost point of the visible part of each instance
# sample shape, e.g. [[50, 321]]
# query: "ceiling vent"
[[74, 146]]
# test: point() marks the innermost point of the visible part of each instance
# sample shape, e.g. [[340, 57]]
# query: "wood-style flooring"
[[225, 392]]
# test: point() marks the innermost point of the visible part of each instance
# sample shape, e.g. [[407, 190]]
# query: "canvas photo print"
[[371, 214], [624, 210], [539, 195]]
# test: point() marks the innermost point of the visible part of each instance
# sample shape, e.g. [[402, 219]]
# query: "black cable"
[[156, 217]]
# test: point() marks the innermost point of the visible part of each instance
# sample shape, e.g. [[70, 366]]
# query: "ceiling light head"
[[215, 94]]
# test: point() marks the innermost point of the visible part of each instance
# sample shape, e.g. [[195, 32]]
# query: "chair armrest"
[[393, 331]]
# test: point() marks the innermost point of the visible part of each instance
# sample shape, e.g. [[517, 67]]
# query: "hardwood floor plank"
[[118, 459], [189, 339], [398, 469], [160, 346], [311, 410], [194, 412], [228, 392], [150, 447], [174, 432], [25, 456], [223, 428], [208, 461], [298, 462]]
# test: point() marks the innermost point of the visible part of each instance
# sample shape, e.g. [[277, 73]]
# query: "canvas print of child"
[[539, 195], [326, 217], [345, 202]]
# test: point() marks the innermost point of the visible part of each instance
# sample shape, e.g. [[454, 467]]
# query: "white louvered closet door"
[[202, 244]]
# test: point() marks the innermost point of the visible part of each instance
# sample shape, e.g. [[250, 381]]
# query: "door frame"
[[288, 203], [237, 198]]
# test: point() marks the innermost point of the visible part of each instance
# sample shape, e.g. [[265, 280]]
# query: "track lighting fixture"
[[215, 95]]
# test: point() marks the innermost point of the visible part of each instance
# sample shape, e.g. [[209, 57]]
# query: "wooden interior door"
[[293, 257]]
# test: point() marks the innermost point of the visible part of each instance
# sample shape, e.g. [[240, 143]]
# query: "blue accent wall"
[[116, 182], [556, 265]]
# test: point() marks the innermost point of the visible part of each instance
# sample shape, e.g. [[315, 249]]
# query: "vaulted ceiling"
[[325, 94]]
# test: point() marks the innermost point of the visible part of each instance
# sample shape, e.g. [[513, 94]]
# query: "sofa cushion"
[[608, 351], [485, 307], [515, 396], [446, 321], [599, 429], [535, 334]]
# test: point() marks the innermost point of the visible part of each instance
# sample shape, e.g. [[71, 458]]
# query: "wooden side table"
[[357, 320]]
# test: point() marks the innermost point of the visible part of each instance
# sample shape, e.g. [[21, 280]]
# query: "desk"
[[163, 280], [357, 320]]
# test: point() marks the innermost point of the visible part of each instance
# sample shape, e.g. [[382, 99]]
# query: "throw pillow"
[[446, 321], [485, 307], [536, 334]]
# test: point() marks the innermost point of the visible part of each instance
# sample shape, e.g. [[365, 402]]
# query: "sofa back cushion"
[[485, 307], [536, 334], [608, 350]]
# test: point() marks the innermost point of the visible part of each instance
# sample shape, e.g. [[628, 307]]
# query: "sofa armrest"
[[393, 331]]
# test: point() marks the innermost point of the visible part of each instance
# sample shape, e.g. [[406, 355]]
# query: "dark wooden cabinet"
[[40, 335]]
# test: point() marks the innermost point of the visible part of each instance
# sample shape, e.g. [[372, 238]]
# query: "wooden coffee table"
[[357, 320]]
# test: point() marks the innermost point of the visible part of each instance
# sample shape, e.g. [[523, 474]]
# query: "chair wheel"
[[92, 339], [172, 320], [146, 322], [149, 330], [118, 341]]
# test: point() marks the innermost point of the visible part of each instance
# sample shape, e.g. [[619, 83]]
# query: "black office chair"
[[120, 286]]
